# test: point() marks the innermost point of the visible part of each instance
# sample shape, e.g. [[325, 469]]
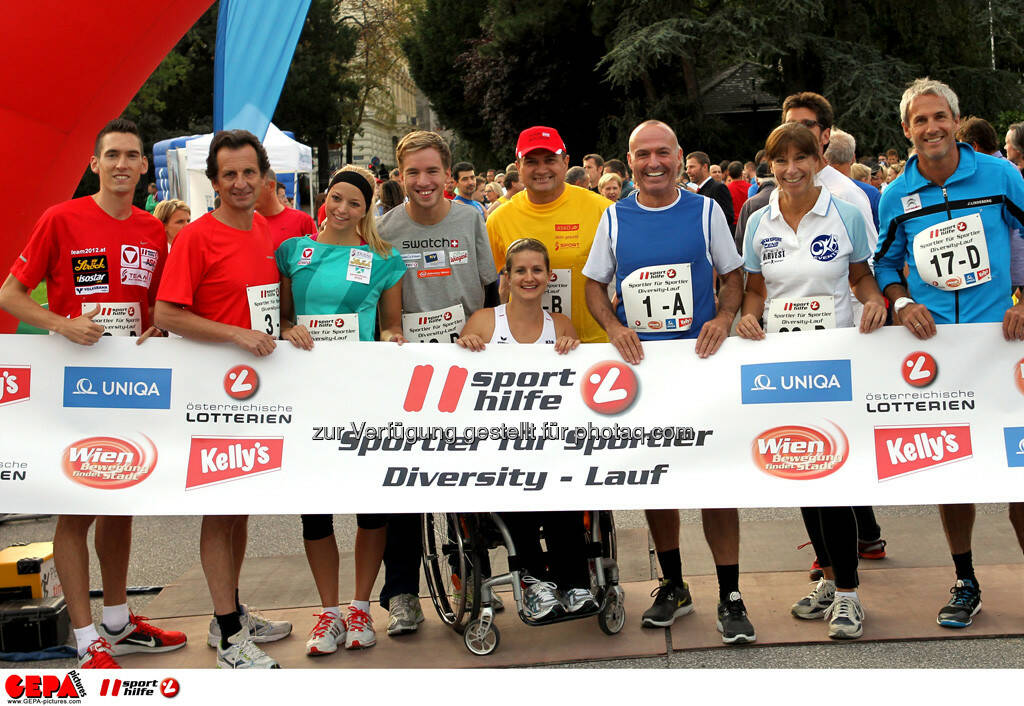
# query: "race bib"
[[265, 308], [659, 298], [341, 327], [438, 326], [800, 314], [953, 255], [360, 262], [558, 296], [118, 318]]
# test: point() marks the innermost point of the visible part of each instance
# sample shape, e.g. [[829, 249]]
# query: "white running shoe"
[[243, 654], [404, 614], [540, 599], [847, 619], [816, 603], [577, 599], [260, 629], [360, 630], [326, 634]]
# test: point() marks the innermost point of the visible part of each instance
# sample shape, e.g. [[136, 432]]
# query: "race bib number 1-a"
[[438, 326], [953, 255], [800, 314], [659, 298], [558, 296], [265, 308], [342, 327], [117, 318]]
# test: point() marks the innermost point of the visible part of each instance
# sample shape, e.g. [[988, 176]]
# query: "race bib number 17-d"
[[659, 298], [953, 255], [265, 308]]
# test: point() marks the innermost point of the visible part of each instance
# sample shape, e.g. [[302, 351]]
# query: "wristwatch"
[[900, 303]]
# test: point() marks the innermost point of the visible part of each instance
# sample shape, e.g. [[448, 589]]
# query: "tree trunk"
[[323, 151]]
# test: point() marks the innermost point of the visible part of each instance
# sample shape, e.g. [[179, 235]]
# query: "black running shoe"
[[964, 605], [733, 622], [670, 602]]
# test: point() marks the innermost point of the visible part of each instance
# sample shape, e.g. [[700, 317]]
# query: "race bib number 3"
[[117, 318], [265, 308], [438, 326], [800, 314], [558, 296], [659, 299], [953, 255], [342, 327]]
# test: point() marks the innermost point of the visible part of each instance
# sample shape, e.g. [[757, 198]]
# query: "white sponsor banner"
[[810, 418]]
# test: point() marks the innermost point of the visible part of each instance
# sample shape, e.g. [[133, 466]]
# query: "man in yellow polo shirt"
[[561, 216]]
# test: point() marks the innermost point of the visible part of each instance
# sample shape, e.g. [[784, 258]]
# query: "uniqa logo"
[[109, 462], [800, 452]]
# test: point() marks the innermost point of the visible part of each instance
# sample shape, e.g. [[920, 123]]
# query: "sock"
[[115, 617], [229, 625], [361, 605], [333, 610], [671, 566], [964, 564], [728, 580], [847, 594], [238, 604], [85, 637]]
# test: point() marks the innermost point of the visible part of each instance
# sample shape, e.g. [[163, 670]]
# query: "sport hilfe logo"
[[241, 382], [109, 462], [15, 384], [796, 381], [215, 459], [907, 449], [796, 452], [314, 323], [497, 390], [919, 369]]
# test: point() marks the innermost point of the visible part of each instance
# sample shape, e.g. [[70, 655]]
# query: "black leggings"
[[316, 527], [833, 532], [565, 561]]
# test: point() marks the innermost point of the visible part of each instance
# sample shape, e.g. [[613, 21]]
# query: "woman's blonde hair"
[[367, 227], [165, 209], [605, 178]]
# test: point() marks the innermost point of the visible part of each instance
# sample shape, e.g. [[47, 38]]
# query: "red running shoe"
[[140, 636], [98, 656], [816, 570], [871, 550]]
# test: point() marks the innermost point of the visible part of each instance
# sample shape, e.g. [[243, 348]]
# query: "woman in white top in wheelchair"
[[522, 320]]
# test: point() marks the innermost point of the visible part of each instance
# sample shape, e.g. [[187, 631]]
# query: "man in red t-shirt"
[[738, 186], [284, 222], [222, 284], [102, 259]]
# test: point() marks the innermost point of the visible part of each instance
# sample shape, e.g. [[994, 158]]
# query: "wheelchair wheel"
[[481, 637], [448, 562], [612, 617]]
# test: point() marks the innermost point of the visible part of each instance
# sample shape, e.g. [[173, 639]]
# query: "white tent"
[[287, 156]]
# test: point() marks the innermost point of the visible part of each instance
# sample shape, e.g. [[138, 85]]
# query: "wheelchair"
[[455, 561]]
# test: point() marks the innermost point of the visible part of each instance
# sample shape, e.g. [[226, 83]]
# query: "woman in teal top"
[[330, 290]]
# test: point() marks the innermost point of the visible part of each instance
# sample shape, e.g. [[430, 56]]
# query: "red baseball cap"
[[539, 137]]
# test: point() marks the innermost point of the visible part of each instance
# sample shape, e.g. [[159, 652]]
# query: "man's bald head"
[[652, 125]]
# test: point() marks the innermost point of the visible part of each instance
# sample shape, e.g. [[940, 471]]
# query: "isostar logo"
[[564, 227], [797, 381], [15, 383], [1014, 439], [496, 390], [117, 388], [919, 369], [903, 450], [241, 382], [109, 462], [45, 686], [609, 387], [800, 453], [216, 459]]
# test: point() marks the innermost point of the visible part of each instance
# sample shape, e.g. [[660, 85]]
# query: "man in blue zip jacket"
[[949, 217]]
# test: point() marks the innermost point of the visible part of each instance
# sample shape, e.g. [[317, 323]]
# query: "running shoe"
[[670, 602], [817, 602], [404, 614], [962, 607], [326, 634], [817, 572], [846, 619], [540, 598], [139, 636], [360, 630], [242, 653], [871, 550], [577, 599], [733, 622], [98, 656], [260, 629]]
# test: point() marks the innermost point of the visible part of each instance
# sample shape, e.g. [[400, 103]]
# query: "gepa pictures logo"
[[496, 390], [31, 687]]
